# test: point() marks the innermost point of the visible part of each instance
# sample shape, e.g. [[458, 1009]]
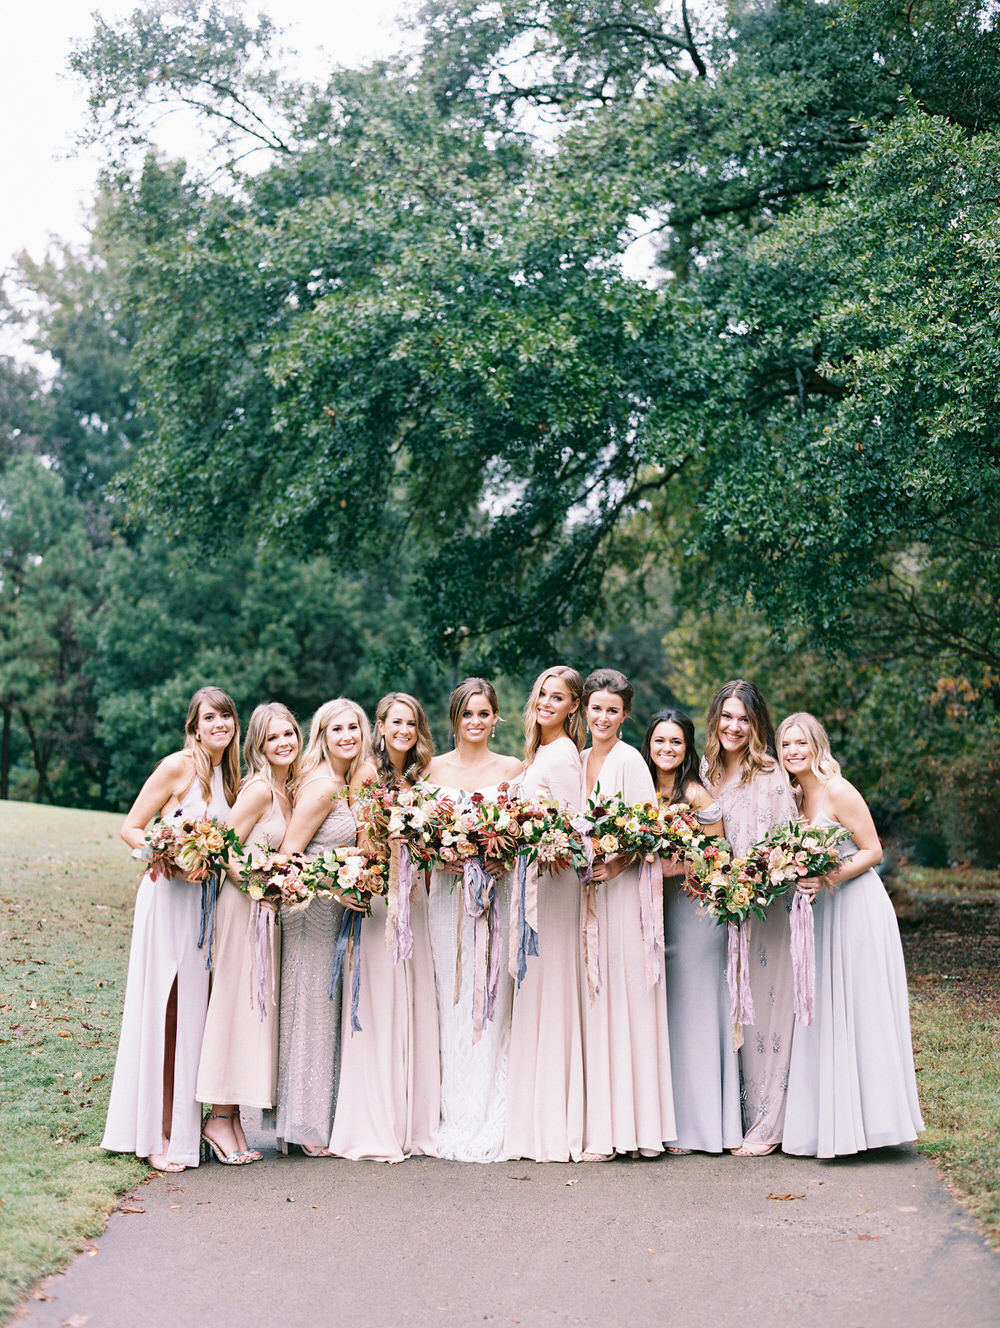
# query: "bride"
[[473, 1068]]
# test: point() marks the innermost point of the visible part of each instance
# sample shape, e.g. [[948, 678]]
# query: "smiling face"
[[667, 748], [605, 713], [796, 753], [343, 739], [554, 704], [281, 744], [215, 730], [399, 731], [734, 725], [476, 719]]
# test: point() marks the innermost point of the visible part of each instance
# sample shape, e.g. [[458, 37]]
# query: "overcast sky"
[[45, 185]]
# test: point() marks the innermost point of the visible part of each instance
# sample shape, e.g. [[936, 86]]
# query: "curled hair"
[[687, 772], [574, 725], [759, 754], [224, 704], [609, 680], [254, 756], [419, 755], [822, 765], [464, 693], [316, 752]]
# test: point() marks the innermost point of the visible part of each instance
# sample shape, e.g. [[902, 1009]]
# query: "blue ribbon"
[[350, 926], [206, 932], [527, 937], [477, 881]]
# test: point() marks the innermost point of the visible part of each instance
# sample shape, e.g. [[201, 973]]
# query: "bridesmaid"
[[851, 1083], [545, 1080], [153, 1110], [239, 1055], [706, 1072], [473, 1073], [390, 1084], [337, 761], [741, 770], [626, 1046]]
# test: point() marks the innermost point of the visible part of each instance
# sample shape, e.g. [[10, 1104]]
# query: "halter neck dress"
[[164, 949]]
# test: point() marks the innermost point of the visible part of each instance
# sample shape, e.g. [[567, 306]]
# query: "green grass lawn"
[[67, 889]]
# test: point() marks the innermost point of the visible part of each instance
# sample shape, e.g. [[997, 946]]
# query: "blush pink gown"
[[545, 1103], [626, 1047]]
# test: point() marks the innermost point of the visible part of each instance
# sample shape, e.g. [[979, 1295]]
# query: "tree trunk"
[[5, 754]]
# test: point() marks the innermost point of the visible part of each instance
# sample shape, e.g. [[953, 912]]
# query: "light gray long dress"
[[705, 1068], [749, 811], [308, 1020], [851, 1083]]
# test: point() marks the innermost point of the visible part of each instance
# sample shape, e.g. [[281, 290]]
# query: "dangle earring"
[[493, 732], [381, 742]]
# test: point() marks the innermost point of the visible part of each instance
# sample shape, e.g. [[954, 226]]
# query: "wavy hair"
[[420, 754], [225, 705], [316, 753], [760, 753], [822, 765], [609, 680], [463, 693], [254, 757], [574, 725], [687, 771]]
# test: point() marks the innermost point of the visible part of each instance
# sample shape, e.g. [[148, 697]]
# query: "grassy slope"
[[67, 889]]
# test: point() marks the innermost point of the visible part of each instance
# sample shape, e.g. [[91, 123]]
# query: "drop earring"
[[493, 731]]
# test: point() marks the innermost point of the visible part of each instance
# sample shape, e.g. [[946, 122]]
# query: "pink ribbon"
[[590, 919], [402, 946], [651, 921], [803, 958], [261, 943], [741, 1009]]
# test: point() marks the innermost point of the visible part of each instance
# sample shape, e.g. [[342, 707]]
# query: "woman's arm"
[[698, 797], [850, 810], [169, 780], [252, 802], [310, 809]]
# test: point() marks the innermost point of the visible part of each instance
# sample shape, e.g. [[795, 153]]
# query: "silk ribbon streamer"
[[591, 922], [392, 895], [349, 940], [803, 958], [651, 921], [480, 905], [206, 932], [524, 919], [741, 1009], [402, 947], [262, 921]]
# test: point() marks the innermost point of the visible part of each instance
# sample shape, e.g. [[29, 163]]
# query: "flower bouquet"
[[272, 881], [358, 875]]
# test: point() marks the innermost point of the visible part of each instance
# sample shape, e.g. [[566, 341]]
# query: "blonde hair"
[[223, 703], [823, 766], [760, 754], [254, 757], [420, 754], [316, 753], [574, 725]]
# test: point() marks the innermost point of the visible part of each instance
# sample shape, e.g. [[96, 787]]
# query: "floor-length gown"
[[389, 1103], [545, 1104], [749, 811], [704, 1067], [473, 1074], [308, 1018], [851, 1082], [239, 1053], [626, 1049], [164, 949]]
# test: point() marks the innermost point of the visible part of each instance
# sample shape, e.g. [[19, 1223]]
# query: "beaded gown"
[[308, 1019], [545, 1105], [705, 1068], [164, 948], [749, 811], [239, 1054], [473, 1074], [626, 1050], [851, 1083]]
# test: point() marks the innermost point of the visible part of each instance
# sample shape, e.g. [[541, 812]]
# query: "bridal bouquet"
[[681, 833], [359, 875], [272, 881], [618, 827]]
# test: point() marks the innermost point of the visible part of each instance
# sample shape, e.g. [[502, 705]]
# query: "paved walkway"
[[696, 1241]]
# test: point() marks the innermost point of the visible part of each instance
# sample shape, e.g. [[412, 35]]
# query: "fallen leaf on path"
[[519, 1178], [906, 1210], [786, 1196], [75, 1321], [39, 1294], [130, 1208], [175, 1205], [569, 1182], [865, 1236]]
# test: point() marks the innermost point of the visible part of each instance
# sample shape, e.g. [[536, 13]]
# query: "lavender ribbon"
[[651, 923], [741, 1009], [481, 905], [526, 936], [350, 934], [402, 944], [206, 931], [803, 958]]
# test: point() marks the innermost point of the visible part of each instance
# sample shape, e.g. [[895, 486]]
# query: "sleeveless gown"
[[389, 1102], [851, 1083], [308, 1020], [748, 812], [473, 1075], [164, 948], [706, 1071], [626, 1046], [239, 1053], [545, 1105]]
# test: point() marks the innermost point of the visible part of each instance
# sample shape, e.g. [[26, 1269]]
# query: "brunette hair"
[[421, 752], [760, 753], [574, 724], [687, 771], [464, 692], [823, 765], [257, 764], [316, 752], [225, 705], [609, 680]]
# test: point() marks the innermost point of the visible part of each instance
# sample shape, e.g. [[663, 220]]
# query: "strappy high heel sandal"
[[209, 1147]]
